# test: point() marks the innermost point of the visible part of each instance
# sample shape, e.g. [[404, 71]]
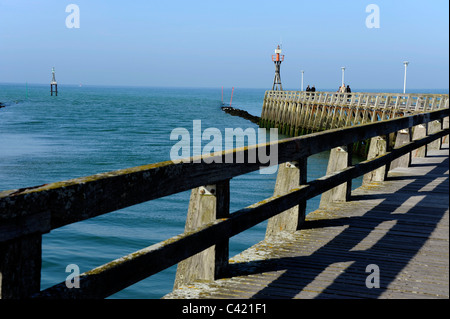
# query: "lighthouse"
[[277, 59], [54, 84]]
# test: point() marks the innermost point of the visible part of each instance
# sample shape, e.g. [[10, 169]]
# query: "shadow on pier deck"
[[399, 225]]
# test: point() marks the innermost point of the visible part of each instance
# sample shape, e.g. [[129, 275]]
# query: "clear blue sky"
[[230, 43]]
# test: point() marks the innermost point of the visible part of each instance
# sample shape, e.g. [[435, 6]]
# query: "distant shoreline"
[[324, 89]]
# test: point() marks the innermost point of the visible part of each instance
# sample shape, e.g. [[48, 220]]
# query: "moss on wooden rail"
[[28, 213], [74, 200], [129, 269]]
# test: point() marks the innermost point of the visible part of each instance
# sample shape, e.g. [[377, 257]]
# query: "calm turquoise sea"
[[87, 130]]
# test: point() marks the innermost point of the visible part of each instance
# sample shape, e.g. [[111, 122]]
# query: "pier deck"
[[400, 225]]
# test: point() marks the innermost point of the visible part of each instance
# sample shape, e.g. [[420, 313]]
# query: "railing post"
[[290, 175], [420, 131], [340, 158], [206, 204], [403, 137], [434, 127], [444, 125], [20, 267], [390, 144], [378, 147]]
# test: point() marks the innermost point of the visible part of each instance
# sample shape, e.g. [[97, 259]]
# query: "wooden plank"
[[188, 244], [20, 267], [378, 147], [338, 160], [82, 198], [290, 175], [206, 205], [107, 279], [323, 261], [192, 243]]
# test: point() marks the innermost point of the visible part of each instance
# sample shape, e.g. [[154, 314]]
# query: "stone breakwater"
[[244, 114]]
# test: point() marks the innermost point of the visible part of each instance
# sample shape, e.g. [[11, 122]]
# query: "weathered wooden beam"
[[82, 198], [338, 160], [433, 127], [445, 124], [20, 267], [419, 131], [403, 137], [121, 273], [206, 205], [290, 175], [378, 147]]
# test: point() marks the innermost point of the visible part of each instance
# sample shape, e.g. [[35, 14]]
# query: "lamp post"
[[302, 79], [343, 71], [404, 80]]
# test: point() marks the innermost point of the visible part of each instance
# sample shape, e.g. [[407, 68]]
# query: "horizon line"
[[199, 87]]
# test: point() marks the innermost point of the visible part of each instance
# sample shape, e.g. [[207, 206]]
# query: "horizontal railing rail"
[[38, 210], [409, 102]]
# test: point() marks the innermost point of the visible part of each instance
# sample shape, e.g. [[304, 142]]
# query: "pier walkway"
[[297, 112], [393, 230], [400, 225]]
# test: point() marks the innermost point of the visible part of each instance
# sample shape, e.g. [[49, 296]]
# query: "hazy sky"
[[225, 43]]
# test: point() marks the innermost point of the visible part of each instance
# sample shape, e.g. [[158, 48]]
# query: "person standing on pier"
[[348, 90], [308, 89]]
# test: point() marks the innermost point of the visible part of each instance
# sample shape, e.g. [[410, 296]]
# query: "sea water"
[[87, 130]]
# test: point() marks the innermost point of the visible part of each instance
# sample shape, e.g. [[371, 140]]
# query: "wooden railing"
[[26, 214], [410, 102], [298, 112]]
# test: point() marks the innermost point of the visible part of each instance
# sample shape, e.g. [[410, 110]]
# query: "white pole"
[[343, 70], [404, 80], [302, 79]]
